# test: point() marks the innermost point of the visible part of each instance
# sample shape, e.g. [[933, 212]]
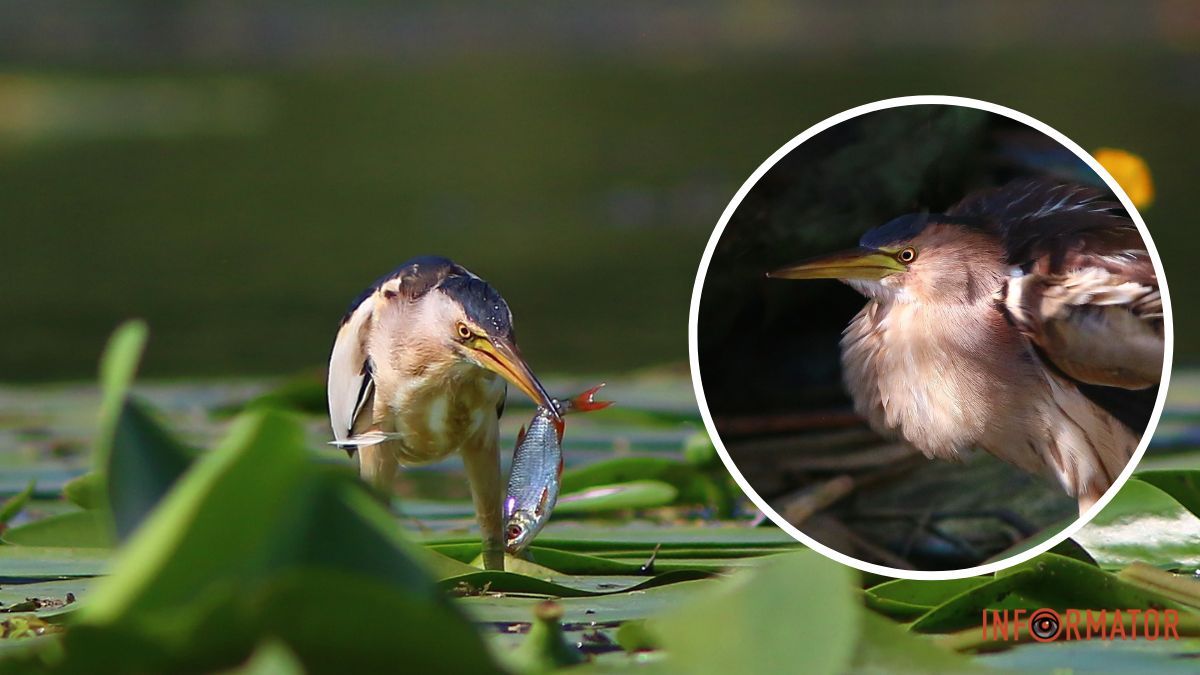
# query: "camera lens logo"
[[1045, 625]]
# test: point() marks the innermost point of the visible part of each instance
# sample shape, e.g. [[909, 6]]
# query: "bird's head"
[[477, 326], [914, 258]]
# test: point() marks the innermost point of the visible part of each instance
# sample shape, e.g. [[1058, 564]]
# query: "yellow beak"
[[502, 357], [856, 263]]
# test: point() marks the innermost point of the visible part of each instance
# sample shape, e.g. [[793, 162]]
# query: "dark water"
[[240, 211]]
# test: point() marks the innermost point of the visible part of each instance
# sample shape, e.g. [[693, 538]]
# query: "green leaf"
[[86, 491], [256, 540], [13, 505], [1049, 580], [794, 613], [691, 484], [37, 562], [118, 365], [925, 593], [270, 658], [884, 647], [1142, 523], [545, 648], [638, 494], [510, 582], [1183, 485], [54, 597], [78, 529], [145, 461]]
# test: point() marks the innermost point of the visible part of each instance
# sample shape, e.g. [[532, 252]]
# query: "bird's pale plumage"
[[1026, 321]]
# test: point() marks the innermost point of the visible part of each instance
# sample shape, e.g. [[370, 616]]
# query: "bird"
[[420, 370], [1026, 320]]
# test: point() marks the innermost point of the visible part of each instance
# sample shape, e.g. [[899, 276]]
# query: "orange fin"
[[586, 401]]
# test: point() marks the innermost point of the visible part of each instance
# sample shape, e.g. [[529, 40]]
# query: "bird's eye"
[[464, 331], [907, 255]]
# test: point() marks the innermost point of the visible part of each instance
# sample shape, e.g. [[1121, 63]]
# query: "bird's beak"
[[856, 263], [502, 357]]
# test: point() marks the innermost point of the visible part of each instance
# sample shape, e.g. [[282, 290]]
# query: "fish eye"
[[907, 255], [514, 531], [464, 331]]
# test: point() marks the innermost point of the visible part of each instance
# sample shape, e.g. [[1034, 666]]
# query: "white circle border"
[[694, 357]]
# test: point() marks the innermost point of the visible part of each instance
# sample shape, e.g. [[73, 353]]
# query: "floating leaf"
[[1183, 485], [802, 600], [691, 485], [38, 562], [86, 491], [545, 648], [638, 494], [493, 581], [1049, 581], [1142, 523], [144, 463], [13, 505], [79, 529]]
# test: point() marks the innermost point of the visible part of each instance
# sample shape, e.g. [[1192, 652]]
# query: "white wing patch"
[[350, 385]]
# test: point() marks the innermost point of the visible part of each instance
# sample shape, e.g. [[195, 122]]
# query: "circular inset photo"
[[930, 336]]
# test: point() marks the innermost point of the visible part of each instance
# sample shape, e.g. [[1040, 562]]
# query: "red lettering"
[[1118, 626], [1072, 627], [1097, 627], [1147, 632], [1172, 623]]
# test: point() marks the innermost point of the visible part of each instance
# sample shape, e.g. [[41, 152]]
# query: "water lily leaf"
[[24, 563], [13, 505], [1183, 485], [610, 608], [86, 491], [143, 464], [1142, 523], [691, 485], [270, 658], [577, 537], [303, 393], [884, 647], [638, 494], [1049, 581], [801, 600], [257, 540], [925, 593], [545, 648], [492, 581], [47, 598], [1162, 657], [80, 529], [907, 599], [118, 365]]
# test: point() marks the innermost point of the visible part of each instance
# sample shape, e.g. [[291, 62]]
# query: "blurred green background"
[[235, 173]]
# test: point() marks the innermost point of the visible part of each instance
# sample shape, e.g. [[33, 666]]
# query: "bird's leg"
[[1087, 500], [378, 467], [482, 462]]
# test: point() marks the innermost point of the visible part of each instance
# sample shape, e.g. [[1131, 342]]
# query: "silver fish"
[[536, 472]]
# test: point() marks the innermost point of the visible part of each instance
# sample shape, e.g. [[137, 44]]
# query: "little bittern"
[[1026, 321], [413, 378]]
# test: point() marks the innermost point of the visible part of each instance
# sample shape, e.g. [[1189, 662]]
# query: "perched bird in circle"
[[1026, 320], [419, 371]]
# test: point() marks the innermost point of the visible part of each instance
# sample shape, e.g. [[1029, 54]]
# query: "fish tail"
[[586, 402]]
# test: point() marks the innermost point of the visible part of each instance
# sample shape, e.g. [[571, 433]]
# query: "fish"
[[536, 473]]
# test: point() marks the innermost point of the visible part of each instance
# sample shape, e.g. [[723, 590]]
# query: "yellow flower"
[[1131, 173]]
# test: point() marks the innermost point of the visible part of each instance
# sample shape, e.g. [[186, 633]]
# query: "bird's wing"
[[1095, 326], [1083, 290], [351, 388]]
